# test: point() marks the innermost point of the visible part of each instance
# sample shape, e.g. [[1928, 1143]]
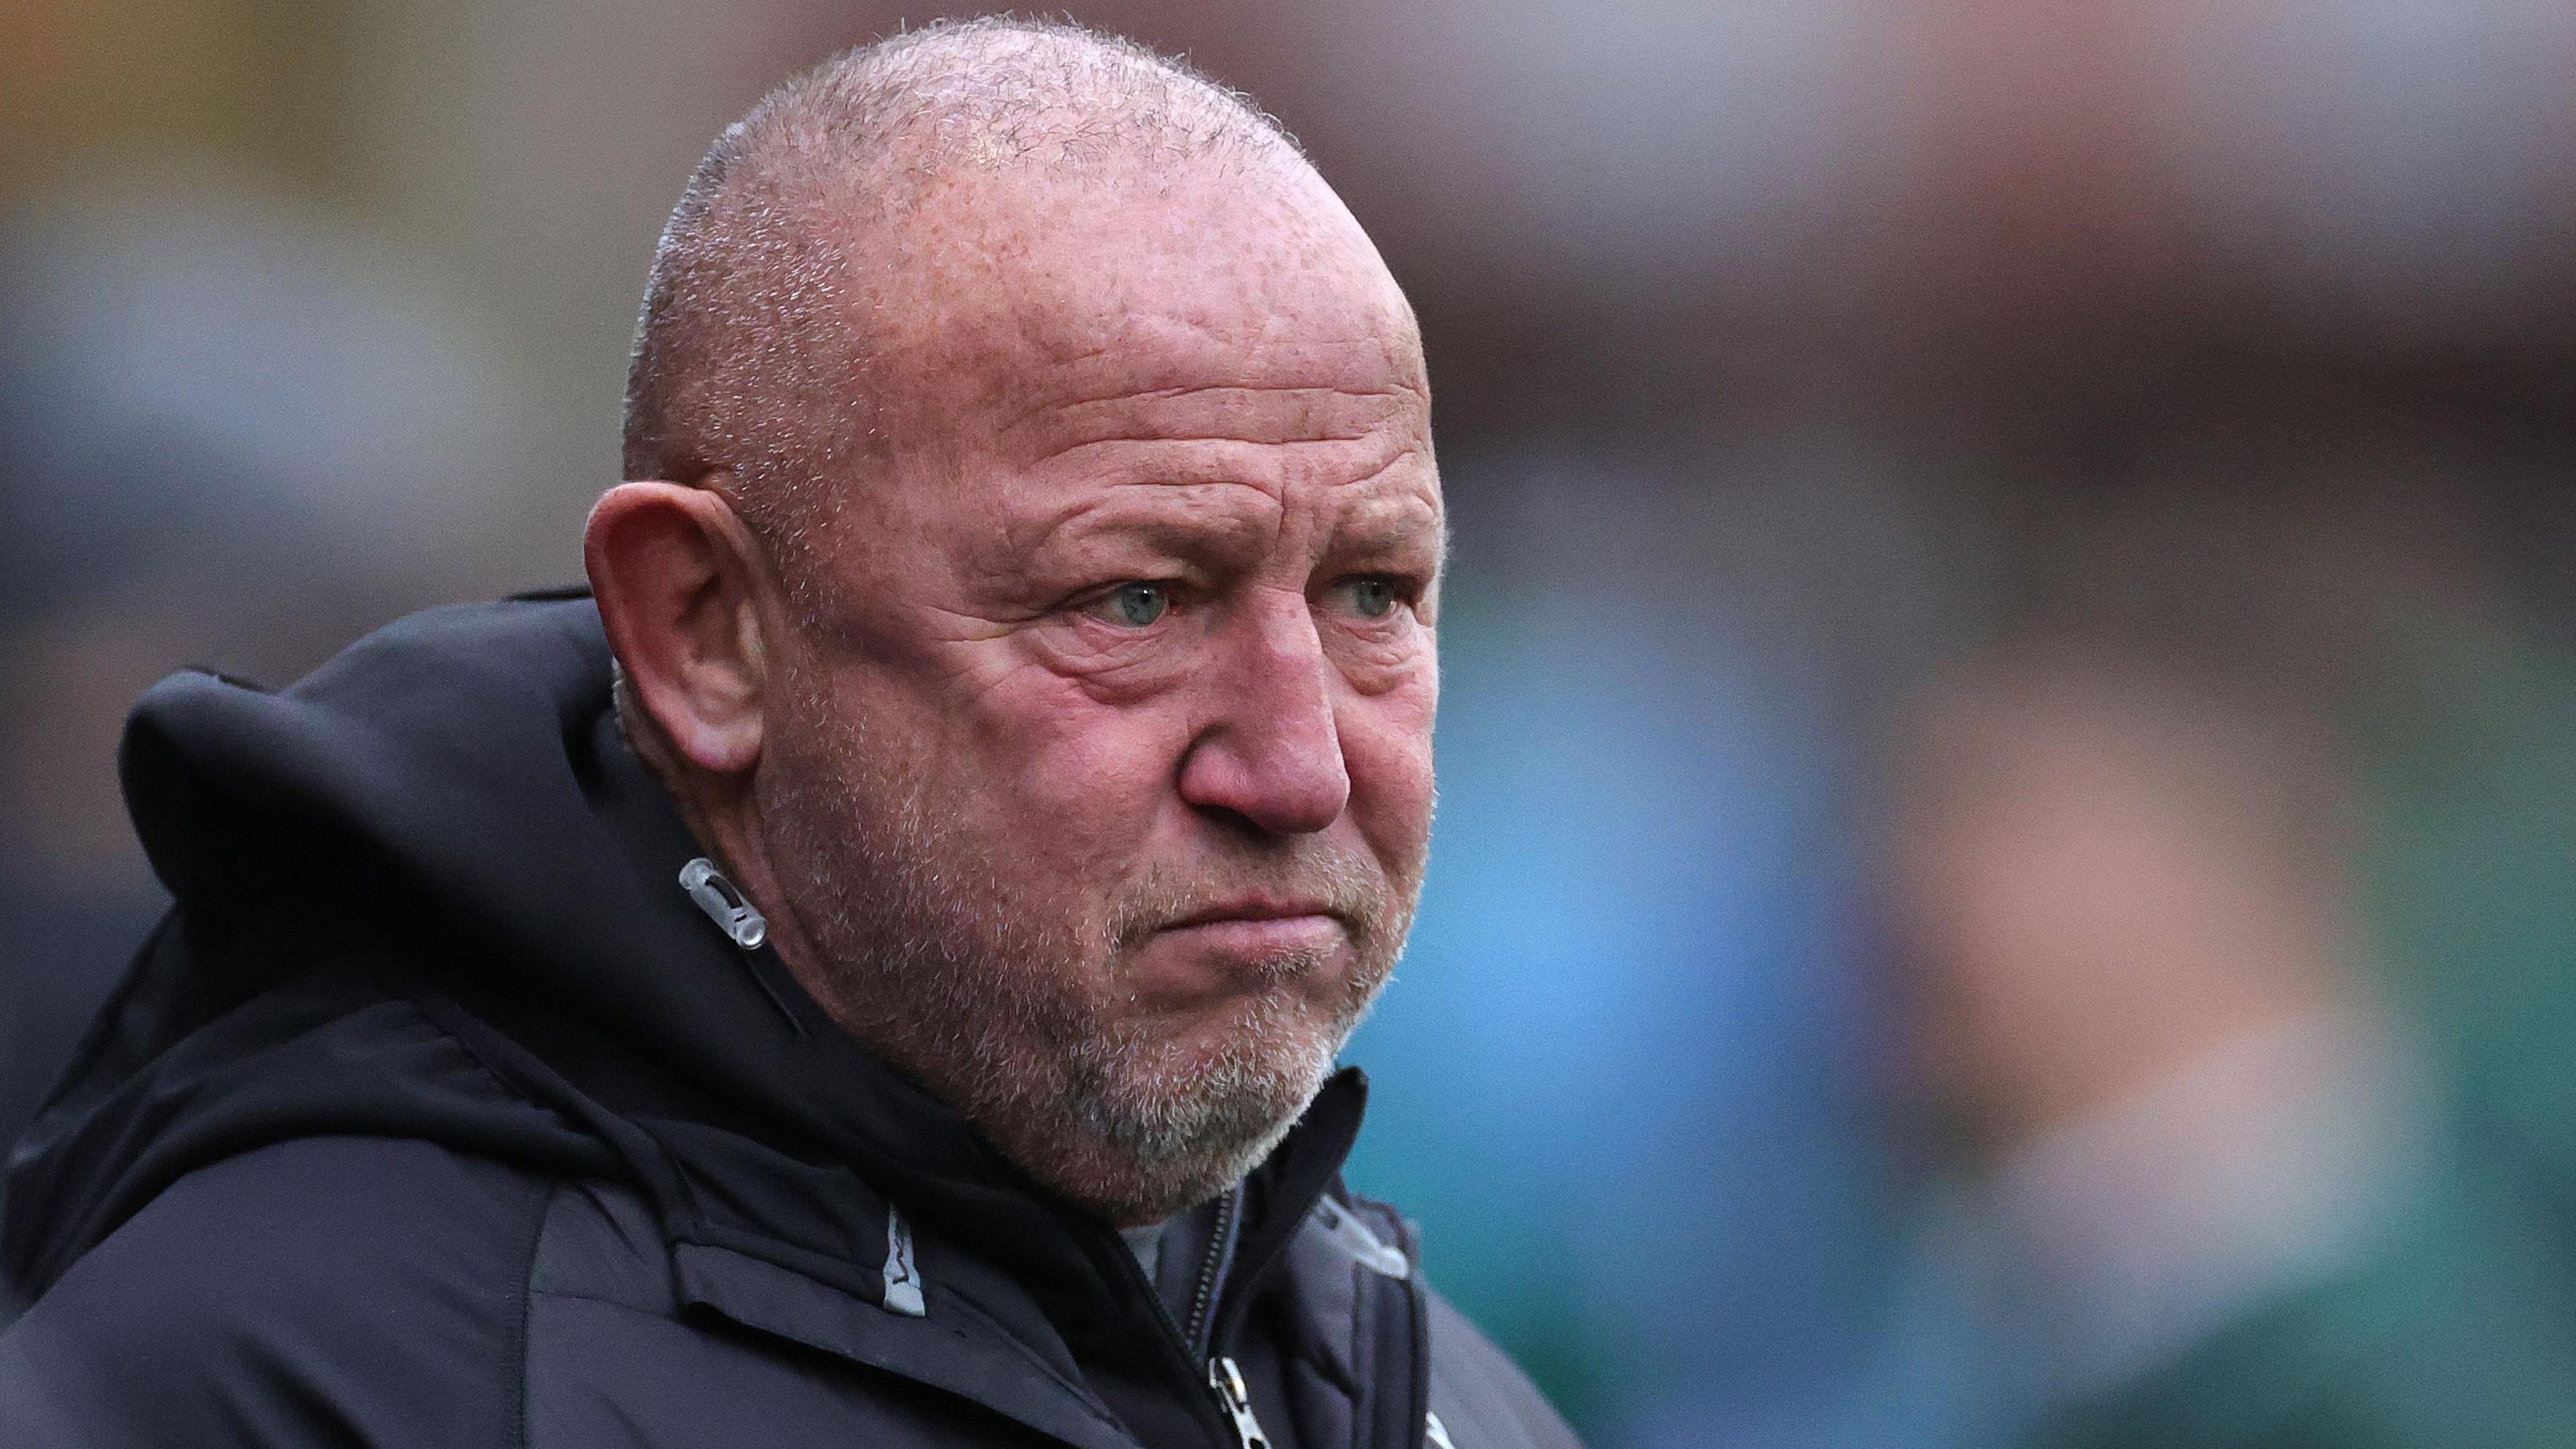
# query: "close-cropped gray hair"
[[749, 356]]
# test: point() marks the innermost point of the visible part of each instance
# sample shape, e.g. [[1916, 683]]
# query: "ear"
[[680, 583]]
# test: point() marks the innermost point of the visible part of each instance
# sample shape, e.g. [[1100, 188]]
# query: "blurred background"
[[2007, 870]]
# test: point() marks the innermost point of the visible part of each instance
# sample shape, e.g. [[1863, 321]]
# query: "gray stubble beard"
[[930, 960]]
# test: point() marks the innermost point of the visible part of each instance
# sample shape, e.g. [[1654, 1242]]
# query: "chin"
[[1125, 1189], [1159, 1127]]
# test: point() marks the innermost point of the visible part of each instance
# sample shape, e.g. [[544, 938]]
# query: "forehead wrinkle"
[[1286, 417], [1205, 497], [1333, 465], [1151, 505]]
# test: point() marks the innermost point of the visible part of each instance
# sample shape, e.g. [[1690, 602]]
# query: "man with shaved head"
[[868, 970]]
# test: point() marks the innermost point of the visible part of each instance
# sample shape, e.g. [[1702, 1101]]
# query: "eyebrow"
[[1390, 525]]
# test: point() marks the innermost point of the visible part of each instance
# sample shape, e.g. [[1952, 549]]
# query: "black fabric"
[[61, 951], [436, 1113]]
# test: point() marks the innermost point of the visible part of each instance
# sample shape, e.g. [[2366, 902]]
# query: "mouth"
[[1256, 909], [1263, 935]]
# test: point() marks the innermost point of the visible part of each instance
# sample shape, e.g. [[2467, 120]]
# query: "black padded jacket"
[[436, 1114]]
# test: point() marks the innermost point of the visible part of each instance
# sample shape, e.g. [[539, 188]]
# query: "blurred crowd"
[[2007, 862]]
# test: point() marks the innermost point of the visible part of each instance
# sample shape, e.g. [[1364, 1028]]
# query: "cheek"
[[1082, 779], [1386, 746]]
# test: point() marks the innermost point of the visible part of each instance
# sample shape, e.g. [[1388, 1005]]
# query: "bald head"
[[820, 229]]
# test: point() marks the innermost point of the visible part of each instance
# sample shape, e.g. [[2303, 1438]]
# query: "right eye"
[[1135, 605]]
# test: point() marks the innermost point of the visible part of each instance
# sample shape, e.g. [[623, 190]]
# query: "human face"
[[1113, 723]]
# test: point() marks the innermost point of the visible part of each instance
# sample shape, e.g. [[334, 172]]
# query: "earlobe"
[[679, 588]]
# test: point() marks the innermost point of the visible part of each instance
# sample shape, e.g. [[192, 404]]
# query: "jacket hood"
[[429, 892]]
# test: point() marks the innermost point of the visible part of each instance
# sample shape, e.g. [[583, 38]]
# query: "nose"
[[1271, 753]]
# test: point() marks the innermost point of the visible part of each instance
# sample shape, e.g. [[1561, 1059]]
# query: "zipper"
[[1211, 1267], [1227, 1380], [1223, 1377]]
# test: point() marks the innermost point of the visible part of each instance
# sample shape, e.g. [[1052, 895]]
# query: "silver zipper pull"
[[902, 1274], [1227, 1380], [724, 905]]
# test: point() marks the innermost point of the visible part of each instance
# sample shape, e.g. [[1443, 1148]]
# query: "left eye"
[[1372, 598], [1135, 605]]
